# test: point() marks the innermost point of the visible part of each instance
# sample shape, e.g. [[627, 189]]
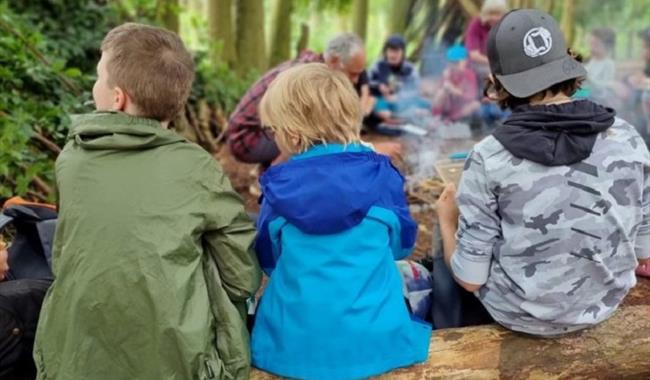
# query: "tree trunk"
[[281, 32], [615, 349], [303, 41], [168, 14], [360, 18], [221, 28], [545, 5], [399, 16], [566, 22], [469, 8], [251, 46]]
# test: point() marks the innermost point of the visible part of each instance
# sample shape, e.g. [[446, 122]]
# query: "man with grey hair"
[[249, 140]]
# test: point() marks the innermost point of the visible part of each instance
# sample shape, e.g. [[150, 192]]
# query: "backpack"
[[31, 227]]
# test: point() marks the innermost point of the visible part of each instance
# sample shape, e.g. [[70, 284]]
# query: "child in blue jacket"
[[333, 221]]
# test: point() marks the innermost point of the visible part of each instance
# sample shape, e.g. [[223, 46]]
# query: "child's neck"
[[549, 99]]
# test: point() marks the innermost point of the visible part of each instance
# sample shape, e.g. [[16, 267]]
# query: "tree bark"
[[530, 3], [221, 28], [566, 22], [281, 32], [303, 41], [360, 18], [251, 45], [545, 5], [168, 14], [469, 8], [398, 16], [615, 349]]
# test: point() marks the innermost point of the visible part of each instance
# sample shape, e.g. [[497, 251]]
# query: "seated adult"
[[477, 32], [249, 140]]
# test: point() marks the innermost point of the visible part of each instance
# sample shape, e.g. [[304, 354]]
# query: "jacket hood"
[[554, 135], [119, 131], [329, 193]]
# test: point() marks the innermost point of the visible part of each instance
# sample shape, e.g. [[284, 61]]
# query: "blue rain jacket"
[[333, 221]]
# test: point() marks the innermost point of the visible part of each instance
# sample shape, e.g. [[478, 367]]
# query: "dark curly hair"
[[495, 91]]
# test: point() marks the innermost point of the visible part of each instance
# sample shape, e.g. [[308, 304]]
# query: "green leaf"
[[73, 72]]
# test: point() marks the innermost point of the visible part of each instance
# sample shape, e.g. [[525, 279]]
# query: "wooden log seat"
[[616, 349]]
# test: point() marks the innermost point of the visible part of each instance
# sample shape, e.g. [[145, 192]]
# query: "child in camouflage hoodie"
[[554, 208]]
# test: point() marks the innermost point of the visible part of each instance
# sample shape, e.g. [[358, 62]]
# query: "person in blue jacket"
[[333, 220]]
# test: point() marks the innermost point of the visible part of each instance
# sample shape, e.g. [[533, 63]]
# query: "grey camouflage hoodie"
[[555, 246]]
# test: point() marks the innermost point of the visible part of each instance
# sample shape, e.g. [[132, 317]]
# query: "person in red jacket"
[[476, 35]]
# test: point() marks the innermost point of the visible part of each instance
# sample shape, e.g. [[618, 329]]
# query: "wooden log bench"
[[616, 349]]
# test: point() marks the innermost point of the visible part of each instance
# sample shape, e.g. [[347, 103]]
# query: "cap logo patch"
[[537, 42]]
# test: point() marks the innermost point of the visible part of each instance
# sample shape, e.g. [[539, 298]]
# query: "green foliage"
[[219, 85], [47, 50], [48, 53]]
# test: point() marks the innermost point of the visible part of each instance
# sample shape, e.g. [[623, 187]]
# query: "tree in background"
[[566, 22], [221, 29], [399, 16], [168, 11], [360, 18], [281, 32], [251, 46]]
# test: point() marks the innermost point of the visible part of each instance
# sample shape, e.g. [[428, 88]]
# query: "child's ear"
[[120, 99]]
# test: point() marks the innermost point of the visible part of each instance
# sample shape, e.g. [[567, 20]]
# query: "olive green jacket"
[[152, 260]]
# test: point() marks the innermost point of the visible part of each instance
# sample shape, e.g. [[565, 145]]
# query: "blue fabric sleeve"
[[267, 242], [377, 77]]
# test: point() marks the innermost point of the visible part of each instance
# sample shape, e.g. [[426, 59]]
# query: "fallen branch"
[[37, 195], [42, 185], [223, 123], [50, 145]]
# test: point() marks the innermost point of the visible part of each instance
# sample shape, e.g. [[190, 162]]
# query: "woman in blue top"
[[333, 220]]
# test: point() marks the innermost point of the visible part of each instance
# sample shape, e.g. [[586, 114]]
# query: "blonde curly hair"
[[311, 104]]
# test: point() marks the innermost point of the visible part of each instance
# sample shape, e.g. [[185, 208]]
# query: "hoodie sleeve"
[[267, 242], [479, 226], [229, 235], [642, 244], [376, 78]]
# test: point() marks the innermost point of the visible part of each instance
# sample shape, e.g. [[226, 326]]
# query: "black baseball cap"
[[528, 53]]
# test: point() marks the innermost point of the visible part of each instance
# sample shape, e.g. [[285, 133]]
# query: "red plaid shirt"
[[244, 126]]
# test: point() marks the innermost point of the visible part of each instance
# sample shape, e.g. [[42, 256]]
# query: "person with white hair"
[[476, 37], [478, 29], [249, 140]]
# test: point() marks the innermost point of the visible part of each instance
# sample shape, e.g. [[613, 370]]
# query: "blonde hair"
[[152, 66], [311, 104]]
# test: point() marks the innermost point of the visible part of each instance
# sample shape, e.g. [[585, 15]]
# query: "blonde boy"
[[151, 255], [333, 220]]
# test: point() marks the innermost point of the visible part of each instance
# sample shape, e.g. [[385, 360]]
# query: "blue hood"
[[330, 189]]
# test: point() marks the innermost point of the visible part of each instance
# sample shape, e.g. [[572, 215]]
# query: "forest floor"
[[243, 176]]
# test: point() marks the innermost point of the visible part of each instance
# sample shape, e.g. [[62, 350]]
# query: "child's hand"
[[384, 90], [447, 208], [4, 263]]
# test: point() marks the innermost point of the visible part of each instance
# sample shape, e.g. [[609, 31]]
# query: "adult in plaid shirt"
[[251, 142]]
